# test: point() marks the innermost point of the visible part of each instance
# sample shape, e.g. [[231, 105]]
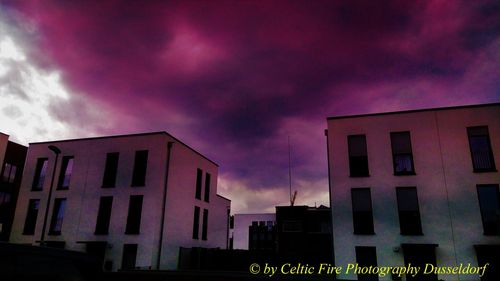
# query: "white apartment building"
[[132, 200], [416, 187], [239, 233]]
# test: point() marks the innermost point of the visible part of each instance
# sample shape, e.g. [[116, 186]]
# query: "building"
[[132, 200], [12, 156], [416, 187], [242, 224], [304, 234]]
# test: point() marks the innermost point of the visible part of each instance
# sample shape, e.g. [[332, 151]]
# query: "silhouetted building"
[[132, 200], [304, 234], [252, 231], [12, 157], [417, 187]]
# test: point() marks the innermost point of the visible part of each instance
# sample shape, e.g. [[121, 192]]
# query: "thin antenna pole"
[[290, 170]]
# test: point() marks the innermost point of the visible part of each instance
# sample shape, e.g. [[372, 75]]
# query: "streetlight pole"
[[56, 151]]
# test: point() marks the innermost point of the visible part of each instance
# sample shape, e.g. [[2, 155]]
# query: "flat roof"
[[414, 110], [129, 135]]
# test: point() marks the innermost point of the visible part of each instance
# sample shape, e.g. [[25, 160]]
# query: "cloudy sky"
[[236, 79]]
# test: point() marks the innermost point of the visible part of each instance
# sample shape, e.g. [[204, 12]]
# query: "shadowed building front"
[[132, 200], [417, 187]]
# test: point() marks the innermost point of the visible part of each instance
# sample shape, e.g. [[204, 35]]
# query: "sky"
[[239, 80]]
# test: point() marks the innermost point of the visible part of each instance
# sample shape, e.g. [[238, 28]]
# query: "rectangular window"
[[409, 212], [207, 187], [110, 170], [366, 257], [40, 173], [358, 156], [9, 173], [204, 229], [4, 199], [196, 222], [402, 156], [140, 167], [489, 204], [66, 171], [480, 149], [362, 213], [292, 226], [30, 222], [134, 214], [199, 176], [57, 216], [129, 256], [104, 215]]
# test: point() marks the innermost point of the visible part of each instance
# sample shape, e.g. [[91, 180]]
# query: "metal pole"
[[56, 151], [290, 170]]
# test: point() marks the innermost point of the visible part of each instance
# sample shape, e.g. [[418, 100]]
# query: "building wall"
[[242, 222], [86, 190], [4, 139], [443, 167]]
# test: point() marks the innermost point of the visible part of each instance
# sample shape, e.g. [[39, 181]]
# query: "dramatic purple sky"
[[233, 79]]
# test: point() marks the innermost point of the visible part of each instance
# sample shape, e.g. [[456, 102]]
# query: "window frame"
[[31, 217], [358, 229], [134, 215], [110, 170], [104, 215], [42, 164], [402, 226], [491, 156], [57, 217], [395, 155], [486, 230], [353, 172], [63, 172], [139, 173]]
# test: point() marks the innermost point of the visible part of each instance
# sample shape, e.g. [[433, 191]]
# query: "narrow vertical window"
[[362, 213], [134, 215], [489, 204], [140, 167], [9, 173], [104, 215], [66, 171], [358, 156], [204, 229], [480, 149], [57, 216], [40, 173], [199, 176], [207, 187], [196, 222], [408, 210], [129, 256], [31, 216], [110, 170], [366, 257], [402, 156]]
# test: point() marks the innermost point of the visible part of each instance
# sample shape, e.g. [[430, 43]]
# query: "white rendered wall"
[[242, 222], [443, 169]]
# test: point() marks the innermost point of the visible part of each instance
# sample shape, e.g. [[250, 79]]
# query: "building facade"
[[242, 226], [132, 200], [419, 187], [12, 157]]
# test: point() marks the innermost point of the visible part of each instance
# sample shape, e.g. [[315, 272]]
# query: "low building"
[[242, 224], [12, 157], [417, 187], [132, 200]]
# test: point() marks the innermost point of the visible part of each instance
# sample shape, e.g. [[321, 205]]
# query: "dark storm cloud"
[[235, 78]]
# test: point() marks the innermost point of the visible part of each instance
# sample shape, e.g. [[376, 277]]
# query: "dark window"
[[366, 257], [207, 187], [4, 198], [140, 167], [66, 171], [409, 212], [40, 173], [402, 156], [231, 222], [30, 222], [57, 216], [134, 215], [196, 222], [199, 176], [9, 173], [480, 148], [362, 213], [292, 226], [419, 256], [129, 256], [358, 156], [104, 215], [489, 203], [204, 229], [109, 178]]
